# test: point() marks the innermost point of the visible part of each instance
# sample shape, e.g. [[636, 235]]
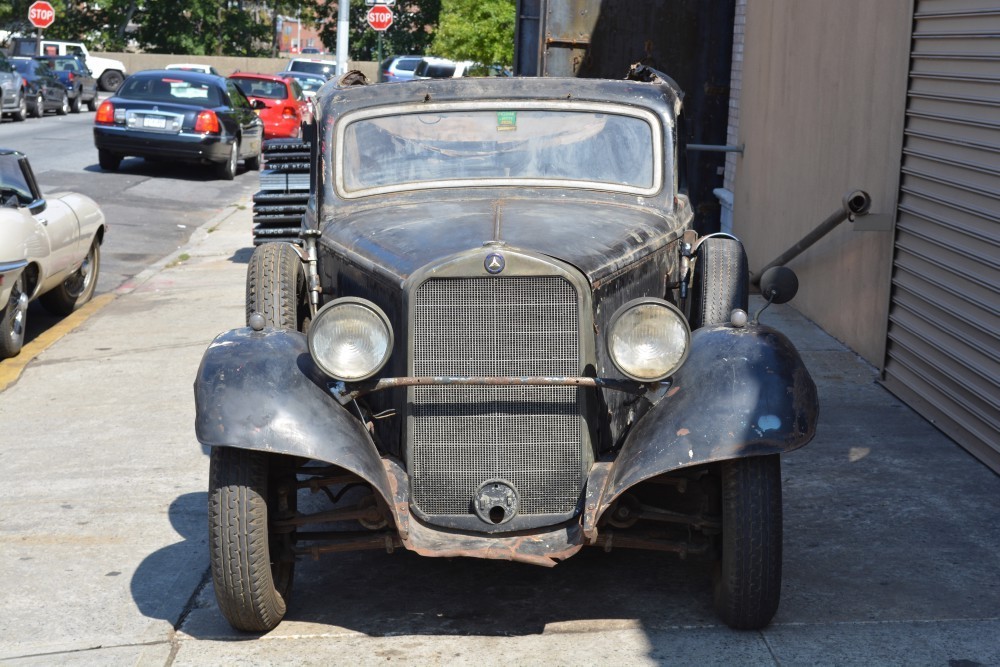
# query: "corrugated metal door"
[[943, 352]]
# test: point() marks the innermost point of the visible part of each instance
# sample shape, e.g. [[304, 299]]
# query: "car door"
[[251, 126], [50, 86], [55, 229]]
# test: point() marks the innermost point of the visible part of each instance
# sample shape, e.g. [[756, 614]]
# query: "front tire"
[[748, 574], [13, 318], [227, 170], [75, 103], [252, 569], [276, 287], [63, 108], [253, 163], [78, 288], [39, 109], [721, 282], [21, 112], [92, 103]]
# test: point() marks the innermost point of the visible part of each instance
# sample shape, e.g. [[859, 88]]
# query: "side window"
[[296, 90], [13, 183], [236, 96]]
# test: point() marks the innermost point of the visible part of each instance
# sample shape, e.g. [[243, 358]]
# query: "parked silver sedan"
[[50, 249]]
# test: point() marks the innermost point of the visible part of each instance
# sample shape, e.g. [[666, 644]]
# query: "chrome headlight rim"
[[628, 307], [316, 328]]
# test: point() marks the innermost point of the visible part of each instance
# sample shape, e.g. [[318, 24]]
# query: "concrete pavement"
[[892, 532]]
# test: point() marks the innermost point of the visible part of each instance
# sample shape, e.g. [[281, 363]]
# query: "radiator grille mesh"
[[463, 436]]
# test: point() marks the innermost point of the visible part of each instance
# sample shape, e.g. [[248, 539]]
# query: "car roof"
[[659, 94], [257, 75], [182, 74], [302, 75]]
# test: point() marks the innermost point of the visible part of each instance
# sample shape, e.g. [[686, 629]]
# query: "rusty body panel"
[[741, 392], [262, 391]]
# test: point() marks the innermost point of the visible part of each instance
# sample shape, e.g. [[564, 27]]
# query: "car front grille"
[[462, 436]]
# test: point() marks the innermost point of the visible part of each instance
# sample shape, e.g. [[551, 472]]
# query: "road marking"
[[11, 369]]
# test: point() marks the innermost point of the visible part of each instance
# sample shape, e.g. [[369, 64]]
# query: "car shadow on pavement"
[[401, 593], [163, 584], [242, 256], [163, 169]]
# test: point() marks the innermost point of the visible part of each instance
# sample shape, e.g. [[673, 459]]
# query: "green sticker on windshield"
[[506, 121]]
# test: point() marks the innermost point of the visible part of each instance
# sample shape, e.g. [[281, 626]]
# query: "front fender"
[[262, 391], [741, 392]]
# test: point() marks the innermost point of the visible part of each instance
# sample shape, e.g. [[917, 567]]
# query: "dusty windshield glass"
[[468, 147]]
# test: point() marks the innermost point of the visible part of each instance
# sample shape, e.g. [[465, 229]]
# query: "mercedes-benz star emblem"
[[494, 263]]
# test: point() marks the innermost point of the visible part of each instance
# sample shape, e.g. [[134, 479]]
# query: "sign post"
[[379, 18], [41, 15]]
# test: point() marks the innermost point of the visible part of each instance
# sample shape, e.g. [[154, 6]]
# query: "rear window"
[[407, 64], [170, 89], [325, 69], [436, 70], [271, 90]]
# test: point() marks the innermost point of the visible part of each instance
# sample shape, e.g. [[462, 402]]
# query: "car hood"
[[597, 238]]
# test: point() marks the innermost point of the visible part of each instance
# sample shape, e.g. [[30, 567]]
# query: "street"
[[892, 532]]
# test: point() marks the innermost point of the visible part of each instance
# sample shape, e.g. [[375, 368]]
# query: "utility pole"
[[343, 28]]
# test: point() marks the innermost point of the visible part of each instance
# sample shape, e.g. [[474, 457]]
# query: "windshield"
[[607, 148]]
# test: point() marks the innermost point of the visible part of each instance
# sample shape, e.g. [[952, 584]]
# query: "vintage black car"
[[179, 116], [500, 337]]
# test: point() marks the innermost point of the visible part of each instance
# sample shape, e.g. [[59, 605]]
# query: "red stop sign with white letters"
[[41, 14], [379, 17]]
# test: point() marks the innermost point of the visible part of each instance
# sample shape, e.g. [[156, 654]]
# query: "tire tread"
[[748, 585], [238, 540]]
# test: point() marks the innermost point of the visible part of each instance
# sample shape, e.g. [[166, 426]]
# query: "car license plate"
[[155, 122]]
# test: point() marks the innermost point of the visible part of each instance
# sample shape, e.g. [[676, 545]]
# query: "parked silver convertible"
[[50, 249], [500, 338]]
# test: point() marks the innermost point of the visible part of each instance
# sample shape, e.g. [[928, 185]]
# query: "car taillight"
[[105, 113], [207, 122], [71, 77], [289, 112]]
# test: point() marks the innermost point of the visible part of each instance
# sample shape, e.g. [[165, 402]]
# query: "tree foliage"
[[477, 30], [410, 33]]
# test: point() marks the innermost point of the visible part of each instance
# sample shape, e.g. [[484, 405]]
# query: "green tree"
[[205, 27], [477, 30], [410, 33]]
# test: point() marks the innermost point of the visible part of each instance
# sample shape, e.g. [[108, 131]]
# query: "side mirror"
[[779, 284], [258, 104]]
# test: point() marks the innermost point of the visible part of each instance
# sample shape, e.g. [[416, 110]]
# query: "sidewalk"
[[892, 532]]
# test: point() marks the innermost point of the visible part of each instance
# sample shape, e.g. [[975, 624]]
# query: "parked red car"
[[286, 106]]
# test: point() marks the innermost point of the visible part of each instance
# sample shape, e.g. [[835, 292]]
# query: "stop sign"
[[379, 17], [41, 14]]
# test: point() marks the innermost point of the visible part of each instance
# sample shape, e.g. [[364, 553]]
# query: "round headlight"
[[350, 339], [648, 339]]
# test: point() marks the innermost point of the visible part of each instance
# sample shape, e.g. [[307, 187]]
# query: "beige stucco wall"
[[820, 113], [225, 65]]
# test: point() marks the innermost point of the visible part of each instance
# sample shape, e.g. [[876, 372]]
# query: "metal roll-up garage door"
[[943, 350]]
